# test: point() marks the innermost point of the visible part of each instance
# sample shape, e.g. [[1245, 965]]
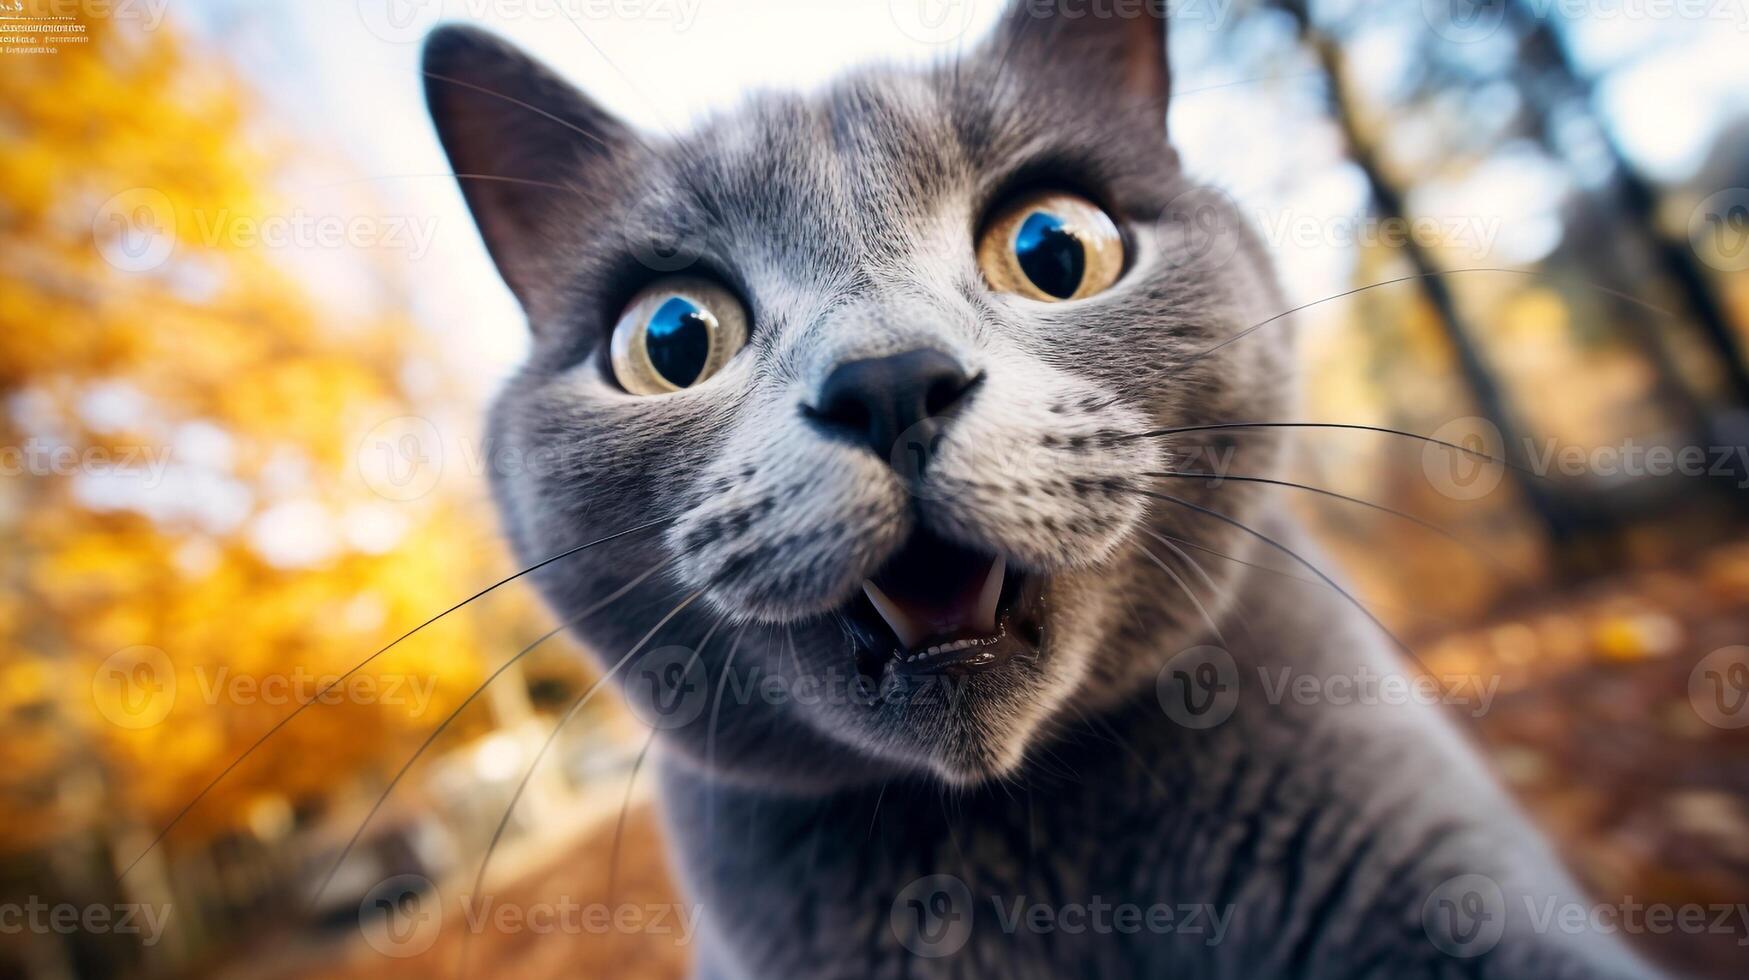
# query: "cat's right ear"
[[524, 145], [1108, 59]]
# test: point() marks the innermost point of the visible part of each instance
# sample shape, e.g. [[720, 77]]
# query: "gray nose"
[[876, 400]]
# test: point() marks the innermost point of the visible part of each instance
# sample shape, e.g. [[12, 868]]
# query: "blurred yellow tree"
[[189, 540]]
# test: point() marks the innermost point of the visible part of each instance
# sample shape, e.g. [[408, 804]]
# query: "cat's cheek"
[[787, 526], [1045, 468]]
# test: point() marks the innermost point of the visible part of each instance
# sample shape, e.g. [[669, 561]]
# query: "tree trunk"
[[1557, 519]]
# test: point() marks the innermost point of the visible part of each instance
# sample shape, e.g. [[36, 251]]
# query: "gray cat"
[[953, 676]]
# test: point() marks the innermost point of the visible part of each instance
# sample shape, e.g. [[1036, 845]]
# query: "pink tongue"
[[953, 608], [934, 590]]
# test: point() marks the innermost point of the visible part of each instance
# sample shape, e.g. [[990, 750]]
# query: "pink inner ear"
[[525, 145], [1144, 74], [1121, 58]]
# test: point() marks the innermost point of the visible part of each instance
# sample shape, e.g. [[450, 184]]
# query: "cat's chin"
[[957, 642], [984, 732]]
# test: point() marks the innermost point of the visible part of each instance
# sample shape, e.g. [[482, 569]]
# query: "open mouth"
[[938, 607]]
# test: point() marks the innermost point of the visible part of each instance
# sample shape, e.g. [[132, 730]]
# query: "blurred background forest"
[[246, 328]]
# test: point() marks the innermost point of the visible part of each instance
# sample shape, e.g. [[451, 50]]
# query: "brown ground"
[[523, 954]]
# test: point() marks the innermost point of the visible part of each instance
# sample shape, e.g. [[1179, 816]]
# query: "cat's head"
[[884, 360]]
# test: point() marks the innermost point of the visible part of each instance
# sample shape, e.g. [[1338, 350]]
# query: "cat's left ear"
[[532, 154], [1114, 51]]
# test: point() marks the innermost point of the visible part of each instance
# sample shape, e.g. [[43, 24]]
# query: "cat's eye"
[[1050, 246], [675, 334]]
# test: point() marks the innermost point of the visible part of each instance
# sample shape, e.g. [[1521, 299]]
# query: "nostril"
[[877, 400], [847, 412], [945, 392]]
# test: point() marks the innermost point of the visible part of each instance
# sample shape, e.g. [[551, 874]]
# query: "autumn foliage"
[[184, 419]]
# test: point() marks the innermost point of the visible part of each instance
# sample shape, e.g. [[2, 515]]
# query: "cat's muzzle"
[[938, 607]]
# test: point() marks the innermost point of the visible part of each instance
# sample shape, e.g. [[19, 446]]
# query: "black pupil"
[[679, 341], [1050, 255]]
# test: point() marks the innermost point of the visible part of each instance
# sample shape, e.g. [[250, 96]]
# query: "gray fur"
[[846, 220]]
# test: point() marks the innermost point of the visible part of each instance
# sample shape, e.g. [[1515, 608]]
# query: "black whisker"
[[1111, 735], [989, 94], [1476, 551], [552, 736], [1625, 297], [609, 62], [317, 698], [537, 110], [795, 661], [443, 725], [619, 825], [1186, 542], [445, 174], [710, 735], [1353, 426], [1284, 549], [1188, 594], [1169, 543], [875, 814], [1189, 562]]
